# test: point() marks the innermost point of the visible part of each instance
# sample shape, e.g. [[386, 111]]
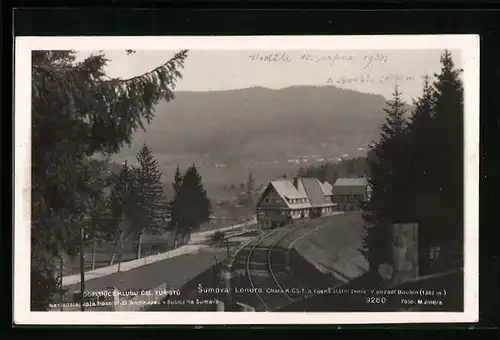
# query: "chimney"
[[296, 182]]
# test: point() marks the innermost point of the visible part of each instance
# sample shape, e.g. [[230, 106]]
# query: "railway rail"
[[262, 276]]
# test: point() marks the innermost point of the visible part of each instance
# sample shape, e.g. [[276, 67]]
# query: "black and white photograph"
[[315, 179]]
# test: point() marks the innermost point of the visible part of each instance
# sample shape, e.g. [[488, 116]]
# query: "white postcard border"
[[469, 46]]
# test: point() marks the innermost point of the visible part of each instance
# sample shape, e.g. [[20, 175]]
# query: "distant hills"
[[260, 125]]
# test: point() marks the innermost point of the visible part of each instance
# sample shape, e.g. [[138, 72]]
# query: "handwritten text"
[[364, 61], [329, 59], [270, 57], [371, 79]]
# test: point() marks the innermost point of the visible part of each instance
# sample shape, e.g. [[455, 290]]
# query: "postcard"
[[246, 180]]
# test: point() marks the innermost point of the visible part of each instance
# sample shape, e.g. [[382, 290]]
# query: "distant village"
[[312, 159]]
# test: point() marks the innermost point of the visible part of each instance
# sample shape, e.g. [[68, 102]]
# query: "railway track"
[[279, 268], [269, 286]]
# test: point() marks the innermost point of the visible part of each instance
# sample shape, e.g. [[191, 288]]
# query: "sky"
[[373, 71]]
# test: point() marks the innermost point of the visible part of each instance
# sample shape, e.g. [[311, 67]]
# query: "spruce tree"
[[448, 177], [122, 203], [150, 210], [173, 207], [191, 204], [77, 111], [423, 111], [423, 157], [99, 227], [436, 149], [177, 180], [422, 183], [387, 181]]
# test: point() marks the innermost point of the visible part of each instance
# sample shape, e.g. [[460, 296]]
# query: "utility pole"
[[214, 271], [82, 270], [61, 282]]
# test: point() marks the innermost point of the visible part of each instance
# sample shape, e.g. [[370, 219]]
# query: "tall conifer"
[[448, 140], [78, 111], [122, 203], [173, 207], [192, 204], [388, 164], [423, 183], [150, 209]]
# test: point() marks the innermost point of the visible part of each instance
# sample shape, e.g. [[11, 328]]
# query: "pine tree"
[[422, 183], [99, 227], [122, 203], [177, 180], [387, 181], [448, 175], [174, 211], [423, 112], [436, 149], [77, 111], [422, 156], [395, 123], [150, 210], [191, 204]]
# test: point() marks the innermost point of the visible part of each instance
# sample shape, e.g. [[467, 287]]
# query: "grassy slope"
[[334, 247]]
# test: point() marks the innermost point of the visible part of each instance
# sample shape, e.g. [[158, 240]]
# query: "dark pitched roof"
[[314, 190]]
